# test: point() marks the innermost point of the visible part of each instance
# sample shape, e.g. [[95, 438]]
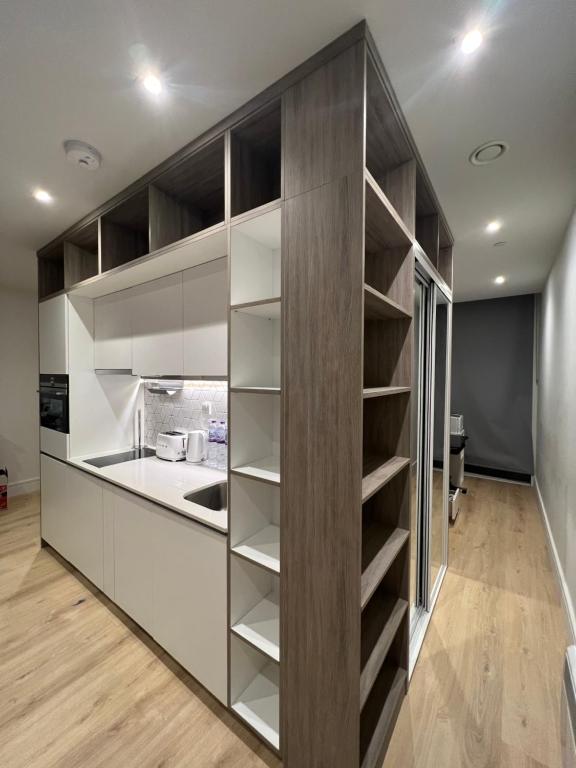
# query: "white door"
[[53, 335], [134, 545], [157, 327], [190, 599], [113, 332], [205, 291], [55, 521]]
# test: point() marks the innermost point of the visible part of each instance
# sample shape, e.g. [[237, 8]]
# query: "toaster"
[[171, 446]]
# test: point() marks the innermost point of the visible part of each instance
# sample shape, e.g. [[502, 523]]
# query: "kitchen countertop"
[[164, 482]]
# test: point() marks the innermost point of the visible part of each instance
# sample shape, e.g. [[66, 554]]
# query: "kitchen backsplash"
[[183, 409]]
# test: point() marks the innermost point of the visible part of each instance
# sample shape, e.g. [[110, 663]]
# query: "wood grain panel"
[[120, 244], [445, 265], [78, 264], [170, 220], [399, 186], [324, 124], [428, 235], [387, 353], [321, 486]]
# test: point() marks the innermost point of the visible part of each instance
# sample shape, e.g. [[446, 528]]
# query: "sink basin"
[[212, 497]]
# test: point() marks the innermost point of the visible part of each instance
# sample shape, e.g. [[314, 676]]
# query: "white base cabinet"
[[167, 572]]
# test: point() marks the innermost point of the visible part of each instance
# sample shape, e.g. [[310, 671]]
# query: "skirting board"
[[566, 599], [24, 486]]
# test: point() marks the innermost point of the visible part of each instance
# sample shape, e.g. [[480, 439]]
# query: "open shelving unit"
[[316, 193], [255, 440]]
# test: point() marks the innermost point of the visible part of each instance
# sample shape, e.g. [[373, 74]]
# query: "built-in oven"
[[54, 414]]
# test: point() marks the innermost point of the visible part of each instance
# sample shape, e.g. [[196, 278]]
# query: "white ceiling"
[[68, 69]]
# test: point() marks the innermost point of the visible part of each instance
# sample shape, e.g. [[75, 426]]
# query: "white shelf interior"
[[255, 435], [254, 690], [255, 258], [262, 548], [254, 607], [255, 346], [255, 506]]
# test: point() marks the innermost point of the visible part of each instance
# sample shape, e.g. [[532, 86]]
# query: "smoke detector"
[[83, 155], [488, 152]]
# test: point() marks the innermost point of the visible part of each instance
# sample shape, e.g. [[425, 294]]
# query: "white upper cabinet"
[[53, 335], [205, 291], [113, 332], [157, 327]]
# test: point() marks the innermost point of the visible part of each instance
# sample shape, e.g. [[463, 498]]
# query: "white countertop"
[[165, 482]]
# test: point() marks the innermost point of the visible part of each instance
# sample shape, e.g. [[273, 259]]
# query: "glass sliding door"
[[429, 467]]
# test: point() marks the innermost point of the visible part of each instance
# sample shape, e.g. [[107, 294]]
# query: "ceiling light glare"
[[42, 196], [500, 280], [471, 41], [152, 84], [493, 226]]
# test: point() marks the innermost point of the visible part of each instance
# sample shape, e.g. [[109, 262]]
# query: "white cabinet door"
[[157, 327], [113, 332], [190, 599], [72, 517], [205, 291], [134, 545], [53, 335], [55, 521]]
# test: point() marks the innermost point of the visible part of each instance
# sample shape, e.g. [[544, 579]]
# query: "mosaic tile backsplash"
[[182, 410]]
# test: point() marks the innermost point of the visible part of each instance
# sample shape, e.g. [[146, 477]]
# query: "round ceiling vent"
[[488, 152], [82, 154]]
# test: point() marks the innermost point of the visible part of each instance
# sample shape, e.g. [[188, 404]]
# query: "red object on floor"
[[3, 488]]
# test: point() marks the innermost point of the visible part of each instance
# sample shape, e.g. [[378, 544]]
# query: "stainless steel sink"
[[212, 497]]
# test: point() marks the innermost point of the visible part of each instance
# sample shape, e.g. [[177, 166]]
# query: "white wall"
[[556, 427], [18, 365]]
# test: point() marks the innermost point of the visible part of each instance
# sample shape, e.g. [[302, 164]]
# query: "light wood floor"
[[79, 688], [486, 691]]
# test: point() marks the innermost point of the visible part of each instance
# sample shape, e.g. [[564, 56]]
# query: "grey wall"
[[556, 414], [492, 377]]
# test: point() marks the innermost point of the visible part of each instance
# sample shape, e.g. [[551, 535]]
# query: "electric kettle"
[[197, 449]]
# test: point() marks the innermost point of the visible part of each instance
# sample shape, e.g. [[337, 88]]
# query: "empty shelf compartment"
[[261, 627], [263, 548], [381, 620], [380, 713], [255, 259]]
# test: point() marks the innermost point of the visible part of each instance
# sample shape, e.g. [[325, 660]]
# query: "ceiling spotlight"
[[471, 41], [500, 280], [42, 196], [152, 83], [493, 226]]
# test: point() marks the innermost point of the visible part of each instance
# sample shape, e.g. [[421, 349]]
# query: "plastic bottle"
[[222, 445], [212, 443]]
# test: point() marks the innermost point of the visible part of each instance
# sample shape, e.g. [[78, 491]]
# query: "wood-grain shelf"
[[380, 307], [380, 622], [384, 226], [378, 718], [370, 392], [261, 627], [380, 547], [262, 548], [259, 705], [256, 390], [378, 472]]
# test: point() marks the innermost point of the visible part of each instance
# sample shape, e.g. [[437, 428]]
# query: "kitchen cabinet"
[[53, 335], [205, 293], [190, 588], [72, 519], [157, 327], [113, 332], [134, 523]]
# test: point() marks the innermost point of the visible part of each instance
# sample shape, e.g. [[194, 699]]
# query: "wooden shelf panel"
[[377, 727], [385, 391], [259, 705], [261, 627], [380, 307], [256, 390], [377, 473], [384, 226], [262, 548], [267, 470], [380, 547], [380, 622]]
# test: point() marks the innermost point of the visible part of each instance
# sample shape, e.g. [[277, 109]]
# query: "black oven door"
[[54, 402]]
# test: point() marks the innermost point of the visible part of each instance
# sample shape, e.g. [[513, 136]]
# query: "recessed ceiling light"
[[471, 41], [500, 280], [152, 83], [488, 152], [493, 226], [42, 196]]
